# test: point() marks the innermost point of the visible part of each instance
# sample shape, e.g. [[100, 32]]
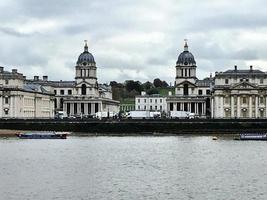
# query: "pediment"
[[190, 84], [244, 85], [79, 84]]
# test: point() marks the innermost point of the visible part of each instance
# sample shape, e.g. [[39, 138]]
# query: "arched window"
[[185, 89], [83, 89]]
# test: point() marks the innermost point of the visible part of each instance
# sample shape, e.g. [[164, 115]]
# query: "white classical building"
[[191, 94], [19, 99], [240, 94], [83, 96], [154, 102]]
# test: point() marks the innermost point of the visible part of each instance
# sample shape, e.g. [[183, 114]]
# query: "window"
[[160, 107], [6, 82], [138, 107], [61, 103], [150, 107], [144, 107], [156, 100], [69, 92], [150, 100], [261, 81], [55, 103], [226, 81], [62, 92], [6, 112], [55, 91], [6, 100], [244, 100], [261, 100], [160, 100], [171, 106], [138, 100], [156, 108], [145, 100], [241, 80], [199, 92], [207, 92], [83, 89], [185, 89]]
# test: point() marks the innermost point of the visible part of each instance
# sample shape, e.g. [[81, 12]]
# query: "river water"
[[133, 168]]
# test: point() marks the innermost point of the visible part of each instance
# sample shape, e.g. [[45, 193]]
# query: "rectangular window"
[[55, 91], [207, 92], [69, 92], [150, 100], [150, 107], [138, 107], [144, 107], [145, 100], [156, 100], [160, 100], [156, 108], [261, 100], [244, 100], [62, 92], [160, 107], [199, 92], [6, 100], [138, 100], [261, 81], [6, 82], [226, 81]]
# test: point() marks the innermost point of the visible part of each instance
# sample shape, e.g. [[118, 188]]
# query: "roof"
[[35, 88], [207, 82]]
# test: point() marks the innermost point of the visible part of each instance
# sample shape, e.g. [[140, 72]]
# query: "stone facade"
[[240, 94], [153, 102], [83, 96], [19, 99], [191, 94]]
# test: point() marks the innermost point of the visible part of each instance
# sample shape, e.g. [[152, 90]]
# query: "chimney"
[[36, 78], [1, 69], [235, 67], [251, 67], [14, 71], [45, 78]]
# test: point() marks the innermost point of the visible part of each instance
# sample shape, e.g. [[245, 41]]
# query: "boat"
[[43, 135], [214, 138], [252, 136]]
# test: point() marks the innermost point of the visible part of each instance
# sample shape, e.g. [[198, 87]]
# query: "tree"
[[147, 85], [157, 82], [133, 85], [165, 84], [152, 91]]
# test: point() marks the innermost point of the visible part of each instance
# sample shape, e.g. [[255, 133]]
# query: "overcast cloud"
[[138, 39]]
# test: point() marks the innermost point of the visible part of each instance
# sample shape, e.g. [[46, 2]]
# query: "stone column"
[[196, 108], [222, 110], [250, 107], [256, 106], [175, 106], [238, 107], [189, 107], [212, 109], [232, 107], [93, 108], [72, 109], [265, 107], [86, 108]]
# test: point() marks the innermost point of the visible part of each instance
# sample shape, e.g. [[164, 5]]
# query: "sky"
[[137, 40]]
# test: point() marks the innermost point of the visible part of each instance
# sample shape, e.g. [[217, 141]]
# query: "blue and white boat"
[[43, 135], [252, 136]]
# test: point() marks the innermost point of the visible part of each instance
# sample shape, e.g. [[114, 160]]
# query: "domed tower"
[[86, 80], [186, 66], [86, 67]]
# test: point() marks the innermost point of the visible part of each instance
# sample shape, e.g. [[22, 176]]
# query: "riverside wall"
[[142, 127]]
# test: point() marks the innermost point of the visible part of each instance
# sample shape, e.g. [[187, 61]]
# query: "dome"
[[86, 56], [186, 57]]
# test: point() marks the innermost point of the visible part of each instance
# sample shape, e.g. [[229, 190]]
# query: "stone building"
[[19, 99], [191, 94], [240, 94], [154, 102], [83, 96]]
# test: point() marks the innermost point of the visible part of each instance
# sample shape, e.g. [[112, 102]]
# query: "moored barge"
[[42, 135], [252, 136]]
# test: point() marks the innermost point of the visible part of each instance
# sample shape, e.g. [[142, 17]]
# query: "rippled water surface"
[[133, 168]]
